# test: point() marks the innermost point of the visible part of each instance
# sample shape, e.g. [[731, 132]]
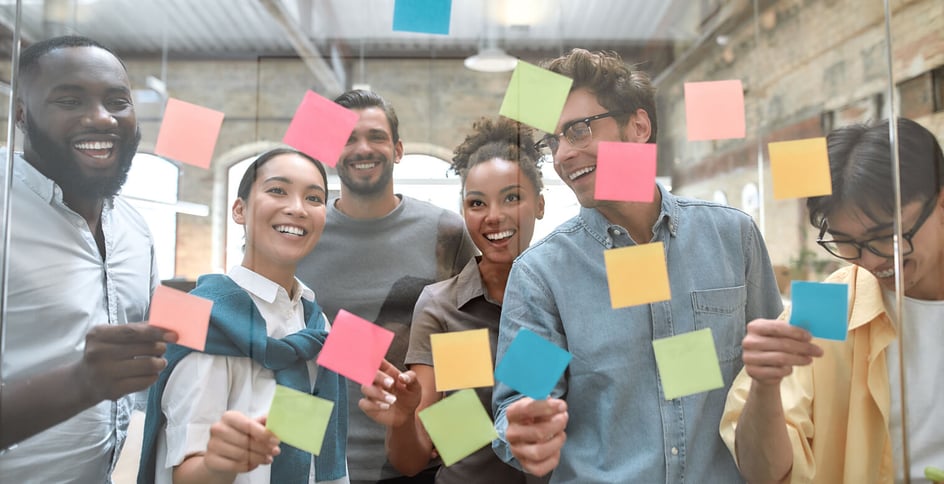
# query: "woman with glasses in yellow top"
[[830, 411]]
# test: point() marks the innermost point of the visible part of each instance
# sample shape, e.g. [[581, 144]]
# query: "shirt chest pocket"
[[722, 310]]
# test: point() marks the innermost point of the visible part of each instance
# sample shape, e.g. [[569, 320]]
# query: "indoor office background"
[[807, 66]]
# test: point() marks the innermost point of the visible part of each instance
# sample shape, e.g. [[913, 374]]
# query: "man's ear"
[[20, 116], [398, 151], [639, 127]]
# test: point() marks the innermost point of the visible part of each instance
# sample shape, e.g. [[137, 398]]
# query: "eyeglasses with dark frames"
[[881, 246], [577, 132]]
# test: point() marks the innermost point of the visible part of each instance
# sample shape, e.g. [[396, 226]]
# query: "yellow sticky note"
[[637, 275], [535, 96], [462, 359], [458, 426], [688, 363], [800, 168], [299, 419]]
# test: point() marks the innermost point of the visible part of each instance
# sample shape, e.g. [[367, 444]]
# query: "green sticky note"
[[535, 96], [458, 426], [934, 474], [299, 419], [688, 363]]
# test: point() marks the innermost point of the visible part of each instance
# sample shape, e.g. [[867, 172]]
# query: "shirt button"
[[674, 450], [615, 231]]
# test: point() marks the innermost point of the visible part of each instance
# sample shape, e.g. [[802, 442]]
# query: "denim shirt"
[[621, 428]]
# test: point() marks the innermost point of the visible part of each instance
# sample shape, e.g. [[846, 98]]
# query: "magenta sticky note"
[[714, 110], [184, 313], [188, 133], [625, 171], [320, 128], [355, 347]]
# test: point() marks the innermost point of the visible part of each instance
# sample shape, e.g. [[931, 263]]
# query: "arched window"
[[152, 190]]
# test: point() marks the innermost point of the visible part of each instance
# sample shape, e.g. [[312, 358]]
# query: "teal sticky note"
[[532, 365], [423, 16], [535, 96], [822, 308], [458, 425], [299, 419], [688, 363]]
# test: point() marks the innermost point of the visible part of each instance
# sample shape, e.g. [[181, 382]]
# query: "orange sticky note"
[[714, 110], [188, 133], [184, 313], [625, 171], [800, 168], [320, 128], [462, 359], [637, 275]]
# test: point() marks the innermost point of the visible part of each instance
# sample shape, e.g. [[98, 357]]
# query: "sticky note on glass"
[[423, 16], [637, 275], [800, 168], [320, 128], [299, 419], [625, 171], [188, 133], [535, 96], [532, 365], [184, 313], [822, 308], [462, 359], [714, 110], [458, 426], [355, 347], [688, 363]]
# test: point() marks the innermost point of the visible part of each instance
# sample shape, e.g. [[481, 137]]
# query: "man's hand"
[[536, 434], [772, 347], [392, 399], [122, 359]]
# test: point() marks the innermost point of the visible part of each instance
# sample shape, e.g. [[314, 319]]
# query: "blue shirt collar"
[[601, 228]]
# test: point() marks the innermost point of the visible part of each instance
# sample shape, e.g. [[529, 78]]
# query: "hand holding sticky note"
[[320, 128], [458, 425], [688, 363], [355, 347], [800, 168], [462, 359], [186, 314], [821, 308], [299, 419], [637, 275], [532, 365]]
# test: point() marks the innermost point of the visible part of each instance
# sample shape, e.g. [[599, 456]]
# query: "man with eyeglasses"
[[619, 426], [830, 411]]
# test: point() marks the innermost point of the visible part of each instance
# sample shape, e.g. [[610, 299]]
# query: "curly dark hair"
[[619, 88], [499, 138]]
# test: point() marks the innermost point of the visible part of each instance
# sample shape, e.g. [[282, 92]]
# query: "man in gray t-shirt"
[[378, 251]]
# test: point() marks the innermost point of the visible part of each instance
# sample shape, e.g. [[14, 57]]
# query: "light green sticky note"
[[299, 419], [688, 363], [535, 96], [458, 426]]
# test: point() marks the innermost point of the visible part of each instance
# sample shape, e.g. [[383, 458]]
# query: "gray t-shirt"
[[376, 269], [460, 304]]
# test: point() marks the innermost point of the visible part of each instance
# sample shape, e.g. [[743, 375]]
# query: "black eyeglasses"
[[881, 246], [577, 132]]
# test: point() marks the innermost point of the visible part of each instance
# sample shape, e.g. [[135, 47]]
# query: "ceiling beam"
[[305, 48]]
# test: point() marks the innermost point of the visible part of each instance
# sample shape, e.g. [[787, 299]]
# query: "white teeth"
[[288, 229], [885, 273], [500, 235], [364, 166], [95, 145], [581, 172]]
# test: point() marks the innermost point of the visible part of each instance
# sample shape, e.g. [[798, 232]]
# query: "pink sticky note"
[[625, 171], [320, 128], [714, 110], [184, 313], [355, 347], [188, 133]]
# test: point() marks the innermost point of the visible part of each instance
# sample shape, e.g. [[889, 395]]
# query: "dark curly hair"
[[619, 88], [499, 138]]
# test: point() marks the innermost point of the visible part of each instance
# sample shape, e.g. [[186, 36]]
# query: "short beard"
[[367, 189], [64, 170]]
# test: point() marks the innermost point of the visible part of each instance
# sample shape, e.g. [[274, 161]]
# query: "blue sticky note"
[[532, 365], [424, 16], [821, 308]]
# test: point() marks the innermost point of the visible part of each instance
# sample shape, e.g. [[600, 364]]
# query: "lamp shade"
[[491, 59]]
